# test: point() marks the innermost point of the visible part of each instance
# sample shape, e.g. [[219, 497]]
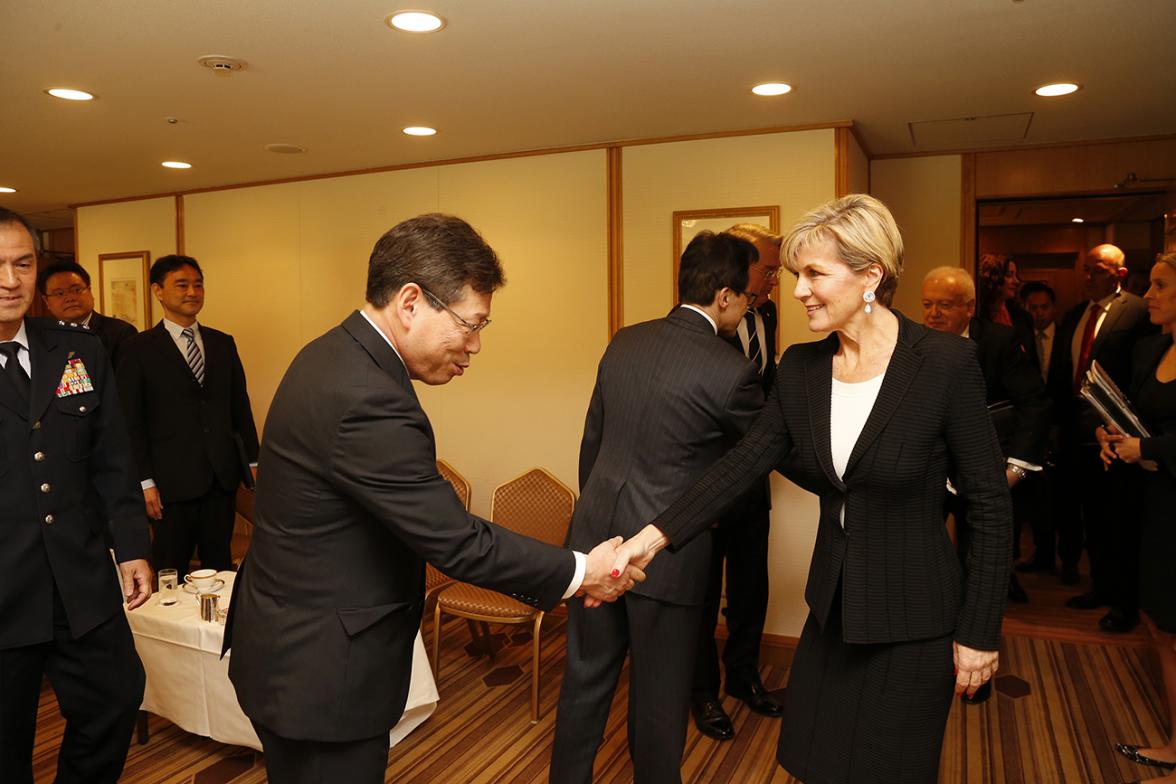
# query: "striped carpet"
[[1065, 694]]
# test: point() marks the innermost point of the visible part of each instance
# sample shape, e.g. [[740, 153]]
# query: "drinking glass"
[[168, 587]]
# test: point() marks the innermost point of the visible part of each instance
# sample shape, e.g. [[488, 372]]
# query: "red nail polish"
[[615, 572]]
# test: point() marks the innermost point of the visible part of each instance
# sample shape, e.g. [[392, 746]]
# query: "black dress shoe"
[[756, 697], [1085, 601], [711, 719], [1016, 592], [1119, 622], [1132, 753], [1069, 575]]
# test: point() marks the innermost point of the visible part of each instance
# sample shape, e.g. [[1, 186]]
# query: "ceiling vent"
[[221, 64], [965, 132]]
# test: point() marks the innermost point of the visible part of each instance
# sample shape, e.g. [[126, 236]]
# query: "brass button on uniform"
[[81, 409], [37, 425], [46, 487], [48, 519], [39, 456]]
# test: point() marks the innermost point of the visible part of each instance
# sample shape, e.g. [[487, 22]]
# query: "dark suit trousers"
[[290, 761], [744, 546], [661, 639], [203, 525], [98, 679]]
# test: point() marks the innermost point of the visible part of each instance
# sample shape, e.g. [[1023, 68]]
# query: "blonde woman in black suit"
[[871, 419]]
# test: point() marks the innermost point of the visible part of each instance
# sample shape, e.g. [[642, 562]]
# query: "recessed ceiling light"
[[6, 189], [1077, 220], [772, 88], [1054, 90], [285, 149], [415, 21], [176, 165], [420, 130], [68, 94]]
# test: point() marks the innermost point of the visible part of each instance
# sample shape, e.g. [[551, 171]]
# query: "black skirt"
[[1157, 555], [873, 714]]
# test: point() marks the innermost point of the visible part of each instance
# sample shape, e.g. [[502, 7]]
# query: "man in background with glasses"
[[744, 547], [65, 290]]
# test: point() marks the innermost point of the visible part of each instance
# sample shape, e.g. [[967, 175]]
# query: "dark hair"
[[1037, 287], [165, 265], [441, 253], [8, 216], [990, 279], [65, 265], [712, 262]]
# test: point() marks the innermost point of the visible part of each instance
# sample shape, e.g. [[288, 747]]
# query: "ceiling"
[[528, 74]]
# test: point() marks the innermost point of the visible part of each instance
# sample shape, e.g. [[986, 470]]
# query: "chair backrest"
[[535, 504], [460, 485]]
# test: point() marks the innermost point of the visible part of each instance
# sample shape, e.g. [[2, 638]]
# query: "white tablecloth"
[[188, 682]]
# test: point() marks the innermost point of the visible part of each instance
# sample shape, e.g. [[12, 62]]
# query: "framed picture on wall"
[[688, 223], [122, 287]]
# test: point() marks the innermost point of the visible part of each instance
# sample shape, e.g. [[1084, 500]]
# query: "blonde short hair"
[[863, 231], [1167, 258]]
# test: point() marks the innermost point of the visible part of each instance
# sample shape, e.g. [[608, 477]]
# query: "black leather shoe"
[[711, 719], [1085, 601], [1119, 622], [1132, 753], [1069, 575], [1016, 592], [756, 697]]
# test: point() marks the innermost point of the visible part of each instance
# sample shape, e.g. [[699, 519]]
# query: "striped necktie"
[[753, 343], [195, 359]]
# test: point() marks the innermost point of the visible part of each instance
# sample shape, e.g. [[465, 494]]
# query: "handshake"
[[616, 565]]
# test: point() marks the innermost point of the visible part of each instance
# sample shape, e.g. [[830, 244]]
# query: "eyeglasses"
[[469, 328], [751, 296], [72, 290], [771, 273]]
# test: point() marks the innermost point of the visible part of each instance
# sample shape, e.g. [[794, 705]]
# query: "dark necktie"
[[195, 359], [1087, 346], [13, 369], [1042, 359], [753, 344]]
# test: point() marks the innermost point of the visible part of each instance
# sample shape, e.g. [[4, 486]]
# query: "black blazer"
[[670, 398], [349, 508], [113, 332], [67, 479], [1009, 376], [901, 577], [184, 435], [1161, 446], [1125, 323]]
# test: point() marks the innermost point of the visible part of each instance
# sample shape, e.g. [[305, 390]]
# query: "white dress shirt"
[[1045, 339], [744, 339]]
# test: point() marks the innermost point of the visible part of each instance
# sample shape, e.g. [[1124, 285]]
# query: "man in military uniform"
[[66, 478]]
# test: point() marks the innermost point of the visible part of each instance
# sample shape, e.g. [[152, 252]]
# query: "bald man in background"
[[1103, 328]]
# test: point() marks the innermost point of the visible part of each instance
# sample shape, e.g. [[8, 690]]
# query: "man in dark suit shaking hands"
[[350, 507], [192, 430]]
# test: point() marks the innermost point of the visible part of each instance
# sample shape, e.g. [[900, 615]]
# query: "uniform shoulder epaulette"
[[56, 325]]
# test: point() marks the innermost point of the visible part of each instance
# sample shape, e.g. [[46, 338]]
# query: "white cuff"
[[148, 484], [578, 577], [1023, 464]]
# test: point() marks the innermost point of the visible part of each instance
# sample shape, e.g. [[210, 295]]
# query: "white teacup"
[[203, 579]]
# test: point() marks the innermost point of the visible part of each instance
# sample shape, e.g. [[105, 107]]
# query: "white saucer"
[[216, 586]]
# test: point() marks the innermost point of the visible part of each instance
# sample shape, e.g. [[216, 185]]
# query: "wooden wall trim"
[[479, 158], [616, 265], [968, 212], [77, 246], [840, 162], [1023, 147], [180, 224]]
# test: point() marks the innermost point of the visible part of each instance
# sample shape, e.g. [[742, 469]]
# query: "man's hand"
[[973, 668], [136, 579], [601, 583], [154, 505]]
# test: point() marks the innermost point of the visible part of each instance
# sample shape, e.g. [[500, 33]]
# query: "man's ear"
[[407, 301], [1122, 272]]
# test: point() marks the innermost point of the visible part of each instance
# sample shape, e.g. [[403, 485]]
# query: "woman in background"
[[997, 285], [871, 419], [1153, 395]]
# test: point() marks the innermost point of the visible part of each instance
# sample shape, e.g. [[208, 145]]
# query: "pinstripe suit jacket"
[[901, 578], [670, 399]]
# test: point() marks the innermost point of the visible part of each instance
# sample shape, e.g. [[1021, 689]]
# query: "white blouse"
[[849, 409]]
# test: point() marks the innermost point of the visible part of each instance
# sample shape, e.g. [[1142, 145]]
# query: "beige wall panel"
[[523, 399], [148, 225], [340, 221], [247, 243], [859, 167], [792, 170], [924, 195]]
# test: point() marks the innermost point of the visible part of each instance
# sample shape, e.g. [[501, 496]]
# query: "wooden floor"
[[1066, 693]]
